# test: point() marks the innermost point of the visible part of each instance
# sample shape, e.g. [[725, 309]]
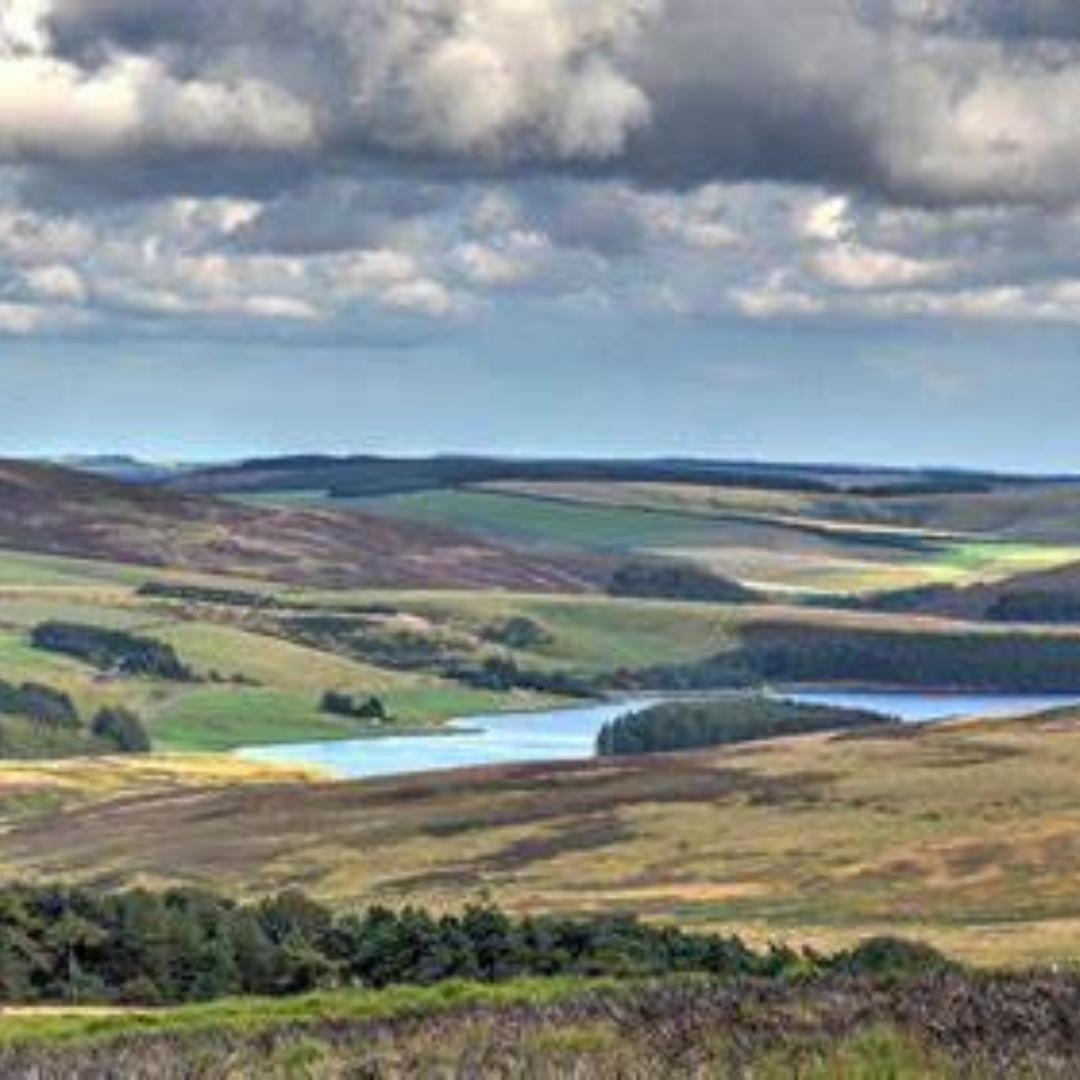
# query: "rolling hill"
[[963, 835], [791, 528], [369, 475], [48, 509]]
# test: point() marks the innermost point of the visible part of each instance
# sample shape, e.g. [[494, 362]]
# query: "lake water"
[[570, 733], [923, 708]]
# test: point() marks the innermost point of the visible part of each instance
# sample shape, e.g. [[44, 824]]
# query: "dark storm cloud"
[[334, 162], [910, 102]]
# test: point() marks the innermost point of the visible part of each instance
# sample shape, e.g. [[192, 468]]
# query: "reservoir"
[[570, 733]]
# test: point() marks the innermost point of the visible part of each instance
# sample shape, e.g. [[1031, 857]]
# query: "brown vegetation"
[[49, 510]]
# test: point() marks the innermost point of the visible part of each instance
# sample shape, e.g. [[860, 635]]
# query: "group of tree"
[[354, 635], [140, 947], [676, 581], [338, 703], [504, 673], [1045, 663], [41, 721], [207, 594], [783, 652], [690, 725], [43, 704], [112, 650], [122, 728]]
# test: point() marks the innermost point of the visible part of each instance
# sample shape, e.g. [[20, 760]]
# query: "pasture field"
[[772, 540], [257, 682], [524, 519], [966, 836], [256, 688]]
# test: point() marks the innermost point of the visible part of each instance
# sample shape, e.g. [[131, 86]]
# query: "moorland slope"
[[51, 510], [966, 836]]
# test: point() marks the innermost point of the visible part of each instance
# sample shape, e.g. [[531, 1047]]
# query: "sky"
[[789, 229]]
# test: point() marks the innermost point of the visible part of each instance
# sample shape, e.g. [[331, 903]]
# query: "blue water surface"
[[570, 733]]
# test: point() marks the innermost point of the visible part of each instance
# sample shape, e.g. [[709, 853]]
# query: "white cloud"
[[853, 266], [22, 319], [422, 296], [56, 283], [51, 111], [824, 219]]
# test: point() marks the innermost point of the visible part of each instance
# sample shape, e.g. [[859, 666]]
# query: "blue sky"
[[845, 229]]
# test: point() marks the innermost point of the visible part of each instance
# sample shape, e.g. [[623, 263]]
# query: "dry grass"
[[968, 836]]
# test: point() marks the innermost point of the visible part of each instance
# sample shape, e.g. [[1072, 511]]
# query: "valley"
[[934, 832]]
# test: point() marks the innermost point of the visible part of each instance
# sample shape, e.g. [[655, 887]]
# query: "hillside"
[[964, 836], [791, 528], [1046, 596], [51, 510]]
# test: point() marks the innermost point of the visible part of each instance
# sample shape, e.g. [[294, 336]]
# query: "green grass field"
[[784, 542], [544, 523], [259, 687]]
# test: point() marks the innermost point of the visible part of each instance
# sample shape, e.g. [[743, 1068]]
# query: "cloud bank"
[[398, 167]]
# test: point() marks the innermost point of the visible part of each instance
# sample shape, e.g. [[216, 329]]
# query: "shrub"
[[339, 704], [518, 632], [890, 957]]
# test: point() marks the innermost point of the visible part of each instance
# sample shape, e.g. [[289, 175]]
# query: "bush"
[[338, 704], [890, 957], [518, 632]]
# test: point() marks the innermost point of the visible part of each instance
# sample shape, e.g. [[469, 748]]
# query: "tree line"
[[770, 653], [206, 594], [140, 947]]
